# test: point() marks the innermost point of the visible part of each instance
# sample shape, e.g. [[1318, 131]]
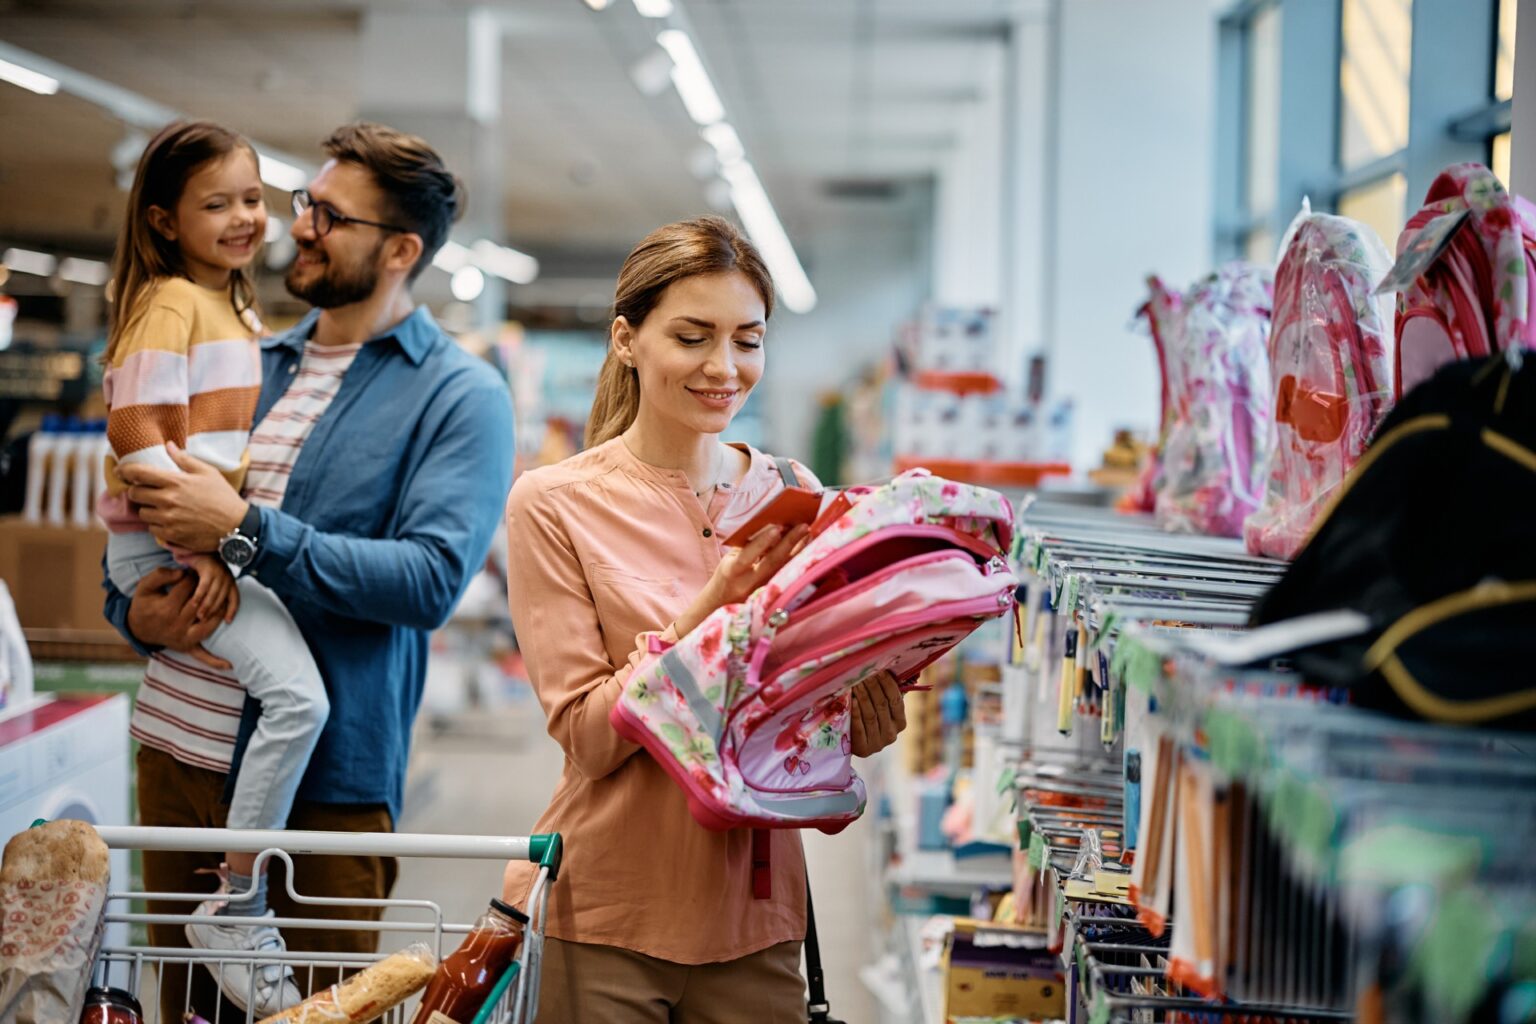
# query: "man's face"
[[342, 267]]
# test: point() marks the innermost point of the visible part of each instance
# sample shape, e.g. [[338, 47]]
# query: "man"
[[379, 466]]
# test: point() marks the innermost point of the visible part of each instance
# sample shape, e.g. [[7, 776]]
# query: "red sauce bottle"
[[467, 975]]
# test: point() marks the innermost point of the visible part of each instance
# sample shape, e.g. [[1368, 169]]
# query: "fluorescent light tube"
[[29, 262], [36, 81], [280, 175], [762, 224], [451, 257], [654, 8], [726, 142], [81, 271], [508, 264], [690, 79]]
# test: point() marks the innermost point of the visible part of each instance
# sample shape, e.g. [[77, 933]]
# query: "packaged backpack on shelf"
[[1430, 538], [1161, 311], [1466, 273], [1330, 350], [749, 712], [1215, 458]]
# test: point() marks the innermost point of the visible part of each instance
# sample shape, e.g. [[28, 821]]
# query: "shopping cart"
[[514, 1001]]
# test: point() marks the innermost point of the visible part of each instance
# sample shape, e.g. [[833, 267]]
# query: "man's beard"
[[334, 286]]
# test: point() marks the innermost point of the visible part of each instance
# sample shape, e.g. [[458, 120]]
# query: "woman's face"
[[700, 351]]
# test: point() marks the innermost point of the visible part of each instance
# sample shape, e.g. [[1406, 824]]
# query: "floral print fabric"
[[1331, 355]]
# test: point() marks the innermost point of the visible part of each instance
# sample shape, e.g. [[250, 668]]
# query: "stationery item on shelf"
[[1467, 275], [1192, 951], [1161, 311], [999, 972], [748, 713], [1331, 358], [1217, 450], [1152, 874], [1446, 578]]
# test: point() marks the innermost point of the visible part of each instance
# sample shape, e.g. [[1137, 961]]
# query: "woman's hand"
[[877, 714], [741, 571]]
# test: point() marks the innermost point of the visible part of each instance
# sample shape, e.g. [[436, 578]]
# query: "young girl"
[[183, 369], [657, 921]]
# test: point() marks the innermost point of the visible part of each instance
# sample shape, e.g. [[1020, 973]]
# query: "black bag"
[[1433, 537]]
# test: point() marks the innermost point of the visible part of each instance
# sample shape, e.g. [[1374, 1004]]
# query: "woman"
[[654, 919]]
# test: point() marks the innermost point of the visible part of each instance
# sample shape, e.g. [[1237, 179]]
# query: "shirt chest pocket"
[[630, 603]]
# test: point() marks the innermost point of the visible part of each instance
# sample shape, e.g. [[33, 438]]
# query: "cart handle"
[[544, 850]]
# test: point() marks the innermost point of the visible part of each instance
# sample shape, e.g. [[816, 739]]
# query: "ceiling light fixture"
[[726, 143], [508, 264], [690, 79], [281, 175], [28, 262], [36, 81], [81, 271], [597, 5], [767, 233], [654, 8]]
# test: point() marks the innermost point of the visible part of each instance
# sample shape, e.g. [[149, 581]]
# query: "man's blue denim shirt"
[[388, 515]]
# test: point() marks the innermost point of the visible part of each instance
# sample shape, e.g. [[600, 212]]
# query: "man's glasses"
[[327, 216]]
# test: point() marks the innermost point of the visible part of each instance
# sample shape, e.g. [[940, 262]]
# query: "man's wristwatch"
[[238, 547]]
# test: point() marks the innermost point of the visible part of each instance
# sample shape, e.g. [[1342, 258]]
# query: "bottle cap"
[[508, 910], [52, 422]]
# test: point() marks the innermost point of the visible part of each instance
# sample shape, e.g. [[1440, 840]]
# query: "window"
[[1504, 56], [1261, 171], [1375, 52], [1379, 204], [1499, 159]]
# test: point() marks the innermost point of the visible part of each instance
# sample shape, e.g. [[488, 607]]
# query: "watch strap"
[[250, 526]]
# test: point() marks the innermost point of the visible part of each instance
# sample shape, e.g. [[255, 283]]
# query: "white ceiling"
[[818, 89]]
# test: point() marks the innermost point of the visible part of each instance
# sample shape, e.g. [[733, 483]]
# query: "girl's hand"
[[877, 714], [217, 596], [742, 571]]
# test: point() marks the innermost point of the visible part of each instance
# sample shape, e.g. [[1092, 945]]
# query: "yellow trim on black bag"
[[1419, 424], [1383, 655], [1513, 449]]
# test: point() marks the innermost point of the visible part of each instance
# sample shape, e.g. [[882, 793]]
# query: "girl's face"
[[700, 351], [220, 220]]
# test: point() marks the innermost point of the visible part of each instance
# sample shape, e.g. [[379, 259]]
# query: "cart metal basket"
[[136, 968]]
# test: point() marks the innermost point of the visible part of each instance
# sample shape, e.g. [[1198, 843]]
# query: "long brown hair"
[[708, 245], [143, 255]]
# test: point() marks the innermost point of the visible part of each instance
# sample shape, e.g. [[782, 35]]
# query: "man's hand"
[[877, 714], [163, 613], [192, 509]]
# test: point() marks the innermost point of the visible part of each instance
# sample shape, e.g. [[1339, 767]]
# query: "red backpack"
[[1474, 297]]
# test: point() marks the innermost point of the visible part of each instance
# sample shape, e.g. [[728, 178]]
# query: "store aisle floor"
[[492, 774]]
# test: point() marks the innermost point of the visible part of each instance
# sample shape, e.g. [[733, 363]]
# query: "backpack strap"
[[786, 470], [817, 1008]]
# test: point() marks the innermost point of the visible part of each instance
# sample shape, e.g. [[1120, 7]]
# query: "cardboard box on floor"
[[54, 574], [997, 970]]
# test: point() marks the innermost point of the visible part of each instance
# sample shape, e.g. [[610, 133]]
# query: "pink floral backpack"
[[1162, 314], [749, 712], [1331, 355], [1475, 297], [1217, 453]]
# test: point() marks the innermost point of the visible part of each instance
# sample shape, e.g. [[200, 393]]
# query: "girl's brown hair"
[[708, 245], [144, 255]]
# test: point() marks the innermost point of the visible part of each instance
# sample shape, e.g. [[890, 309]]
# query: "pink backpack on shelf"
[[1331, 355], [749, 711], [1475, 298], [1162, 312], [1217, 452]]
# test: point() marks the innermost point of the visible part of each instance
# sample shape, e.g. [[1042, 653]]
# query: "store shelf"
[[986, 474], [959, 383], [938, 871], [928, 1001]]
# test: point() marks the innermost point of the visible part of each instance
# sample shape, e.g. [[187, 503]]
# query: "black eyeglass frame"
[[304, 202]]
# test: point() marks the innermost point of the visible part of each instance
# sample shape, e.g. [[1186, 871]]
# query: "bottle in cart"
[[111, 1006], [466, 976]]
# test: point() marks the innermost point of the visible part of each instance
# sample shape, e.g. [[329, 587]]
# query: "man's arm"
[[451, 504], [160, 615]]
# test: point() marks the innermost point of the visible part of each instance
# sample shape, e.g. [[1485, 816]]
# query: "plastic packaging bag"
[[1331, 353], [1217, 454]]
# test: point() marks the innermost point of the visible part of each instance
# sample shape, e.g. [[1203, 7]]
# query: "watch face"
[[237, 551]]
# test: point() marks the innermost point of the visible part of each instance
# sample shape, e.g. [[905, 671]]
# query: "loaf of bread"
[[60, 851], [367, 995]]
